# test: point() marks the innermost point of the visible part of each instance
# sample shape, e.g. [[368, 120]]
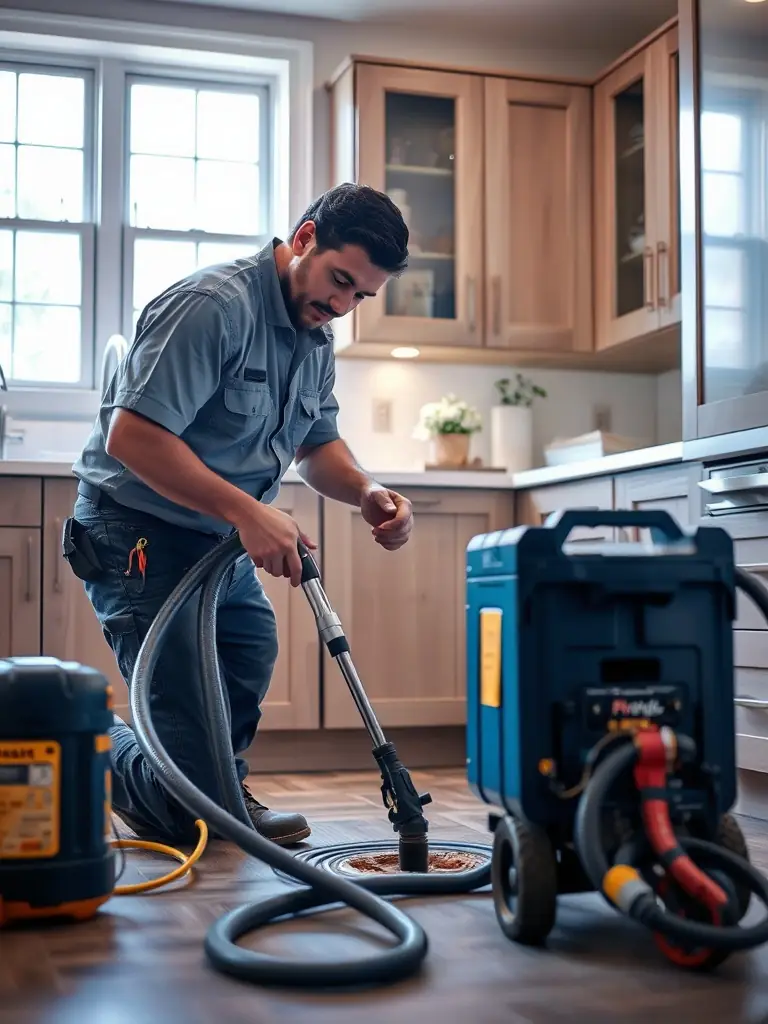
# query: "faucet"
[[5, 435], [114, 352]]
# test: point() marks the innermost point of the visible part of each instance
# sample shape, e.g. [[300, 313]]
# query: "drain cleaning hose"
[[324, 889], [623, 883]]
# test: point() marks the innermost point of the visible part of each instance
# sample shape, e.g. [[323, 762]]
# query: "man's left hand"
[[389, 514]]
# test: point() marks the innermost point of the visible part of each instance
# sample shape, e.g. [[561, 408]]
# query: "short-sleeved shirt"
[[217, 361]]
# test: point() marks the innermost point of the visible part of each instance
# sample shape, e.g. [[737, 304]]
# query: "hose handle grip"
[[309, 569]]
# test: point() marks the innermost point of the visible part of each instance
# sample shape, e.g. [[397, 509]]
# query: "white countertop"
[[477, 479]]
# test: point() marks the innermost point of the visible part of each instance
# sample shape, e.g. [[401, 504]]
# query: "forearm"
[[332, 470], [170, 467]]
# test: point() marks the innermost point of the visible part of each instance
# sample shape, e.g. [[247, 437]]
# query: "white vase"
[[512, 437]]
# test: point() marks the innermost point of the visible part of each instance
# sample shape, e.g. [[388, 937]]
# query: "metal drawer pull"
[[754, 567], [734, 484], [751, 702]]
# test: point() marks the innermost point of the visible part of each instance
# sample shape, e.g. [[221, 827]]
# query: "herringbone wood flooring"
[[141, 961]]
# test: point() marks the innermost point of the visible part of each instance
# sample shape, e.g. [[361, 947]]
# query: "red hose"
[[650, 775]]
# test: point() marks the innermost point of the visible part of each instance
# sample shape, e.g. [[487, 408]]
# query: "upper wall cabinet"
[[493, 177], [636, 210]]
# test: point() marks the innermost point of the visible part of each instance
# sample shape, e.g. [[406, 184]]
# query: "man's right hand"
[[271, 538]]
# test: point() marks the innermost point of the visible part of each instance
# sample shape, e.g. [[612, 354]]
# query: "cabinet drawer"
[[750, 651], [21, 501], [751, 555]]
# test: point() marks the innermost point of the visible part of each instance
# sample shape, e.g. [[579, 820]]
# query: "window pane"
[[722, 199], [162, 120], [210, 253], [723, 277], [724, 338], [156, 265], [51, 110], [162, 193], [47, 344], [228, 126], [6, 313], [50, 184], [7, 106], [48, 268], [228, 198], [6, 266], [720, 142], [7, 181]]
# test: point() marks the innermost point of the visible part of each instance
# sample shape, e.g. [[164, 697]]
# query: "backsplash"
[[642, 407]]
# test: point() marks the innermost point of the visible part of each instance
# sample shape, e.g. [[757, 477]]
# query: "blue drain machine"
[[601, 727]]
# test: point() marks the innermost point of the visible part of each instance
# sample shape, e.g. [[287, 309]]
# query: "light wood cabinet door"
[[71, 629], [418, 136], [636, 209], [536, 505], [538, 229], [404, 612], [19, 591], [293, 699]]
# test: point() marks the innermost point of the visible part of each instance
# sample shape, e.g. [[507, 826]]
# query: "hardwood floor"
[[141, 961]]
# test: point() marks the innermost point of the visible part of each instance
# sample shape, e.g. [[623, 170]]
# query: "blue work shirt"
[[217, 361]]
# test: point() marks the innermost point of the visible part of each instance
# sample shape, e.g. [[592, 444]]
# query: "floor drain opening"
[[441, 862]]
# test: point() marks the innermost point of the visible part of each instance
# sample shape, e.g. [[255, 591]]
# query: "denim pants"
[[126, 602]]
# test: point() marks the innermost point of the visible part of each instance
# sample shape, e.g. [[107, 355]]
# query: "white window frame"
[[84, 229], [112, 49]]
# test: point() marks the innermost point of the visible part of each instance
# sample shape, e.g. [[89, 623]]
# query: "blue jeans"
[[126, 604]]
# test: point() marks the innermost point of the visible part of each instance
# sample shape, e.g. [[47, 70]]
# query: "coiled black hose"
[[645, 908], [324, 889]]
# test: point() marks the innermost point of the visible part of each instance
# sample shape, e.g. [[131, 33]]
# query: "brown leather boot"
[[284, 829]]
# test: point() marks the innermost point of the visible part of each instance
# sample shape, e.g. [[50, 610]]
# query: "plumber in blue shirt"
[[230, 379]]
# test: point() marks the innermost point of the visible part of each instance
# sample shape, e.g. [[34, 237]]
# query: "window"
[[198, 183], [117, 178], [46, 225]]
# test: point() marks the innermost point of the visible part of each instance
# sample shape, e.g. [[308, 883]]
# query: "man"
[[229, 380]]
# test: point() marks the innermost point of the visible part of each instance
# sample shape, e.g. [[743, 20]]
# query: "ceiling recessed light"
[[405, 353], [754, 1]]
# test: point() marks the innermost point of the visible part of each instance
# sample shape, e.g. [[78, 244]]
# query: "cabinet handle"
[[662, 250], [735, 484], [496, 300], [754, 567], [57, 525], [28, 592], [648, 278], [425, 502], [472, 303], [751, 702]]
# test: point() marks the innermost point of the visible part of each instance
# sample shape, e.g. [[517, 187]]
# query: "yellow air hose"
[[185, 865]]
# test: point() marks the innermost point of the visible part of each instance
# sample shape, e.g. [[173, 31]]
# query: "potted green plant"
[[512, 423], [449, 425]]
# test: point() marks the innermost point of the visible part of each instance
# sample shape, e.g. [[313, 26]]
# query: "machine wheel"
[[524, 880], [731, 838]]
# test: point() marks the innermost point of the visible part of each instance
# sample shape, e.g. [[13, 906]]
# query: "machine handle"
[[751, 702], [564, 521], [309, 569]]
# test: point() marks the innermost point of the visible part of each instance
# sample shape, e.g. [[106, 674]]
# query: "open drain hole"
[[388, 863]]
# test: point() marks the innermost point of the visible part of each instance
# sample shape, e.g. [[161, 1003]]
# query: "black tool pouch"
[[78, 551]]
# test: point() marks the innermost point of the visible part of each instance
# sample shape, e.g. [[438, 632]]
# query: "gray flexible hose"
[[324, 889]]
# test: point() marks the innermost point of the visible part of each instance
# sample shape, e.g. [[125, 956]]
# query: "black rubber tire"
[[526, 911]]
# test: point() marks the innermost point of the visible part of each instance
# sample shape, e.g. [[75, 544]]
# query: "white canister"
[[512, 437]]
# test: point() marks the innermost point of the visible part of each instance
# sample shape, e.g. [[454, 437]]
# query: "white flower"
[[450, 415]]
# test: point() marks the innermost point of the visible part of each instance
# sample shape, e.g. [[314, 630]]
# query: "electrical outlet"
[[602, 418], [382, 416]]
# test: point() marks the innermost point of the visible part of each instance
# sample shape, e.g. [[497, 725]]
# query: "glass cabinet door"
[[626, 230], [420, 139]]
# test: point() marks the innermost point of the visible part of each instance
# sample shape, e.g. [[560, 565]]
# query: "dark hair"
[[350, 214]]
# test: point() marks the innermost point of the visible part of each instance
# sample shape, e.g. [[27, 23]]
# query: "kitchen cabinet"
[[538, 231], [724, 83], [536, 505], [671, 489], [735, 498], [418, 135], [70, 628], [293, 699], [403, 611], [19, 591], [637, 280]]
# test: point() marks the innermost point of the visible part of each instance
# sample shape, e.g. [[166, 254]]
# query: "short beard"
[[292, 283]]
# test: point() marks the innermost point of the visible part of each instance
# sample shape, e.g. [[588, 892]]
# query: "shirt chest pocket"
[[306, 413], [246, 410]]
